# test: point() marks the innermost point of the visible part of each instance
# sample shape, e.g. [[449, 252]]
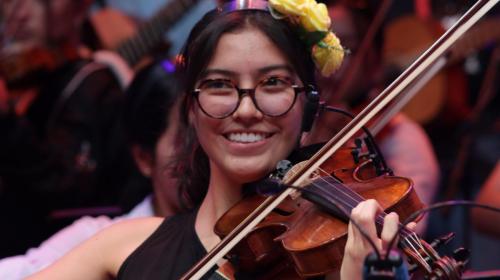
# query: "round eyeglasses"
[[219, 98]]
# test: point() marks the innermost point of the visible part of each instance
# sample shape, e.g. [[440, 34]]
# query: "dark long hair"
[[150, 100], [196, 55]]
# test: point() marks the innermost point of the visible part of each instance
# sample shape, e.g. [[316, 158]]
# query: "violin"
[[298, 236], [299, 239], [435, 266]]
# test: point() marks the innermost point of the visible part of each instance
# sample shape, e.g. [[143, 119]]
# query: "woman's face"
[[246, 145]]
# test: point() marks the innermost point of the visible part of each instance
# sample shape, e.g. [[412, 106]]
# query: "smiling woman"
[[245, 75], [246, 144]]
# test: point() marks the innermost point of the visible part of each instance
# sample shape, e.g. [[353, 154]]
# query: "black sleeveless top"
[[168, 253]]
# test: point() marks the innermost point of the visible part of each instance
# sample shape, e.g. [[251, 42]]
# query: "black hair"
[[197, 53], [204, 37], [150, 98]]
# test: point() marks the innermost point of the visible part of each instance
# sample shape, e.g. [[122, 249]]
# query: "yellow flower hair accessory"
[[328, 54], [315, 17], [314, 22]]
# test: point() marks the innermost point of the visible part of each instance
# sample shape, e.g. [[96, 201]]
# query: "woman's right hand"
[[357, 247]]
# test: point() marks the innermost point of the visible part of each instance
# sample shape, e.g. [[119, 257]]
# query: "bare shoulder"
[[130, 228], [103, 254], [123, 238]]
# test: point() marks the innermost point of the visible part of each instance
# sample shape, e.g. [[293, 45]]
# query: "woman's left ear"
[[143, 159]]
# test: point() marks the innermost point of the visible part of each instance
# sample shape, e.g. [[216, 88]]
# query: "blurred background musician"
[[151, 128], [62, 145], [65, 149], [489, 194], [137, 29]]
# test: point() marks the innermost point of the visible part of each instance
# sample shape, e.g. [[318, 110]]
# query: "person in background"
[[488, 221], [60, 115], [247, 77], [151, 123], [176, 34]]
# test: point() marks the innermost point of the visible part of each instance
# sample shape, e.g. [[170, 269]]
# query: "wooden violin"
[[299, 239], [436, 267]]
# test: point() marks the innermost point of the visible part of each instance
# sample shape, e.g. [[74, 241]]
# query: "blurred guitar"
[[118, 33]]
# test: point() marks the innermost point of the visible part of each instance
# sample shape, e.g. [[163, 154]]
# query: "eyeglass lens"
[[219, 98]]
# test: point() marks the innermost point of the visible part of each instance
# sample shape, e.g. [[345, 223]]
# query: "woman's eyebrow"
[[222, 72], [233, 74], [270, 68]]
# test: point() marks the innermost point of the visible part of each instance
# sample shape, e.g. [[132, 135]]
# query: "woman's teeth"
[[246, 137]]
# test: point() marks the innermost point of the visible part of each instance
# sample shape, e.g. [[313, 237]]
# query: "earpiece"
[[310, 109]]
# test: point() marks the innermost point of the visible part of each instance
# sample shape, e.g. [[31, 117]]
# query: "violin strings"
[[411, 237], [417, 252], [347, 192], [332, 201], [379, 219], [330, 195]]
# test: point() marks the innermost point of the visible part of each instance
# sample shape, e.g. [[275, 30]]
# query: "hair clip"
[[243, 5]]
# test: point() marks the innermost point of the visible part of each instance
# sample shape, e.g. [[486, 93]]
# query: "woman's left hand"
[[357, 247]]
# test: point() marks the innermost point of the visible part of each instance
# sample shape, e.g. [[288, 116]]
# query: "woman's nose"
[[247, 110]]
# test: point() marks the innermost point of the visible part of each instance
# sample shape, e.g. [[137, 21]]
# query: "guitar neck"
[[151, 34]]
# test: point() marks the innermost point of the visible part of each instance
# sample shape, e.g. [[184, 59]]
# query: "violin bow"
[[417, 68]]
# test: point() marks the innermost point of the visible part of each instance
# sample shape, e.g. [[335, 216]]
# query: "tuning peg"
[[461, 255], [442, 240]]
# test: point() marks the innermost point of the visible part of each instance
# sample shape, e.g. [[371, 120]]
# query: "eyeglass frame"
[[248, 91]]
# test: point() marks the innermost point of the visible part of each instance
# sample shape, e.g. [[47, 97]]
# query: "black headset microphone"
[[310, 109]]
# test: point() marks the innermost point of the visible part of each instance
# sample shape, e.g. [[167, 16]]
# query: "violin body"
[[302, 240], [322, 249]]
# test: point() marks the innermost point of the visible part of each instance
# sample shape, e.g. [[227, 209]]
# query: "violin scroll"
[[447, 268], [438, 267]]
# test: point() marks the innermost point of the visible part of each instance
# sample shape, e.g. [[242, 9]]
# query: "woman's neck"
[[161, 206], [222, 194]]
